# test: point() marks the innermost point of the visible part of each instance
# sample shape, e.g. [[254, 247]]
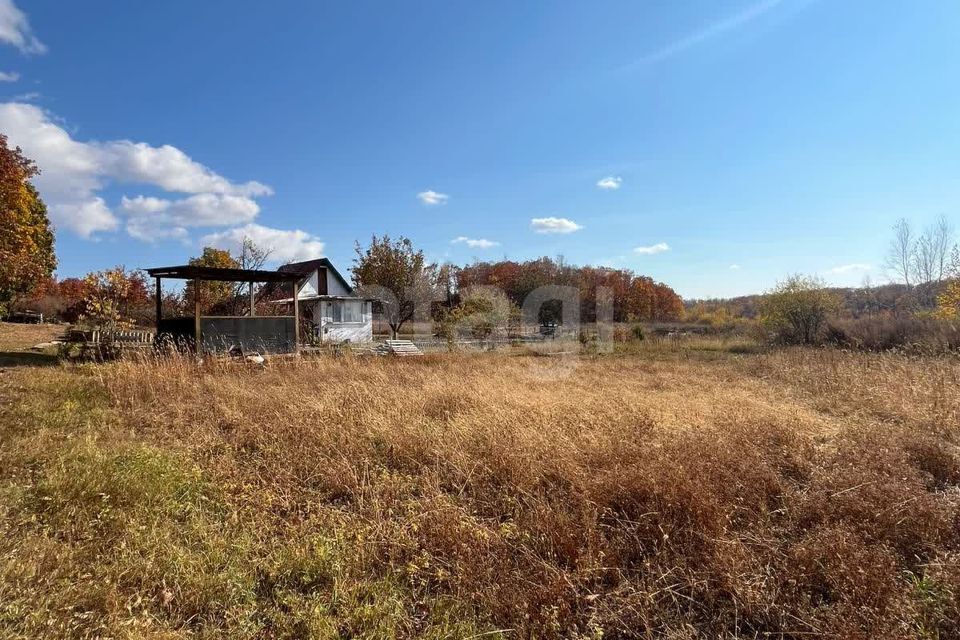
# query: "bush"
[[632, 334], [797, 308], [883, 332], [483, 313]]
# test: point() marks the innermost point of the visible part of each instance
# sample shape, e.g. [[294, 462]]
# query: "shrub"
[[904, 331], [797, 308], [623, 334], [483, 313]]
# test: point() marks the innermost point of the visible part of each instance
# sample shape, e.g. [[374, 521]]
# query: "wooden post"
[[159, 305], [253, 306], [196, 314], [296, 318]]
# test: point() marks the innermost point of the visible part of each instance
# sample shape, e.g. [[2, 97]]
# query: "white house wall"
[[334, 286], [309, 288], [336, 332]]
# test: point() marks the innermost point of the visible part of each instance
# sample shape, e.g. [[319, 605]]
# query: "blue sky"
[[717, 146]]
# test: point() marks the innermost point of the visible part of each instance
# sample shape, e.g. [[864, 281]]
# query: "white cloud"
[[653, 249], [74, 172], [707, 32], [15, 29], [850, 268], [169, 168], [475, 243], [610, 183], [86, 216], [9, 76], [284, 246], [151, 218], [734, 267], [431, 197], [554, 225]]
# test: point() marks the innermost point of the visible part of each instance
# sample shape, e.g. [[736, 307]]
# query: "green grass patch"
[[104, 535]]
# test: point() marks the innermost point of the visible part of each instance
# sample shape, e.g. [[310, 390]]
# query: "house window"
[[347, 311]]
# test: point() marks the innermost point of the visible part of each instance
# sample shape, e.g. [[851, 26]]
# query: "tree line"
[[398, 274], [633, 297]]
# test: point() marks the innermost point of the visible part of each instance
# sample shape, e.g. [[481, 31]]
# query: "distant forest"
[[855, 301], [635, 297]]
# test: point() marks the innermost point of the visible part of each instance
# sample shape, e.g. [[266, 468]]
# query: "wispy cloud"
[[430, 197], [850, 268], [554, 225], [734, 267], [610, 183], [475, 243], [9, 76], [705, 33], [653, 249], [15, 29]]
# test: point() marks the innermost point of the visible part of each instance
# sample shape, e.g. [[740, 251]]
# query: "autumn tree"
[[948, 302], [212, 294], [113, 298], [397, 275], [483, 312], [797, 308], [634, 297], [73, 291], [26, 243]]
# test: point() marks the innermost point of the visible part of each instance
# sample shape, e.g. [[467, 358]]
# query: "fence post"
[[296, 318], [196, 314], [159, 304]]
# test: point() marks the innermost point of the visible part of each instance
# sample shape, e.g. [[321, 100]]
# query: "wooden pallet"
[[399, 348], [98, 345], [96, 336]]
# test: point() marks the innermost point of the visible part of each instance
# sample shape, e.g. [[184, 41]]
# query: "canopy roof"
[[189, 272]]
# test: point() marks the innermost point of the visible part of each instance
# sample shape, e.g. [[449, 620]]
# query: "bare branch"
[[900, 256]]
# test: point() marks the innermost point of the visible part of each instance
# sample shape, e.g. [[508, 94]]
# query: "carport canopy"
[[216, 274]]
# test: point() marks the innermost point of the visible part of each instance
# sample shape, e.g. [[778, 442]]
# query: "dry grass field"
[[670, 490]]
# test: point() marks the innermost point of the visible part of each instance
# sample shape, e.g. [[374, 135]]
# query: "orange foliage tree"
[[27, 257], [213, 295], [634, 297], [114, 299], [948, 302]]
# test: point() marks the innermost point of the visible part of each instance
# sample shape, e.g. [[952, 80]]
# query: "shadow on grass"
[[26, 359]]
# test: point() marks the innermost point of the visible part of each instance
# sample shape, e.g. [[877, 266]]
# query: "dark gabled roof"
[[189, 272], [307, 267]]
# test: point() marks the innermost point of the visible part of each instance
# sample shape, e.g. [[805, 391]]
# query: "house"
[[336, 314]]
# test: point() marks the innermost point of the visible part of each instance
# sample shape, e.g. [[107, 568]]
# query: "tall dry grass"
[[795, 494], [921, 392], [634, 498]]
